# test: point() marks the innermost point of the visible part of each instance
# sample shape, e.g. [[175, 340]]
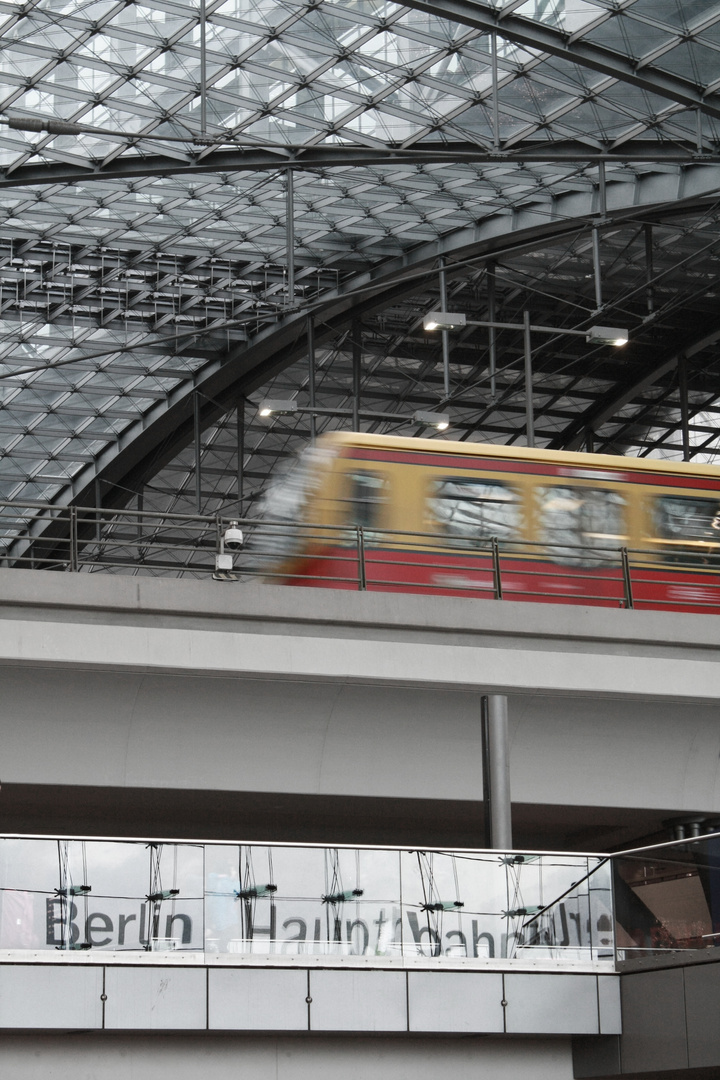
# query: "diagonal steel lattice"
[[555, 156]]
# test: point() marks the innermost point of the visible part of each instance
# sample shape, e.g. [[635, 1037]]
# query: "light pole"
[[446, 321]]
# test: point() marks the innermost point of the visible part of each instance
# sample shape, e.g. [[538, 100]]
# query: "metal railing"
[[92, 540]]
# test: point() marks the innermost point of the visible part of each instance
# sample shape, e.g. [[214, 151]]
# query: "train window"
[[578, 523], [366, 493], [475, 509], [688, 529]]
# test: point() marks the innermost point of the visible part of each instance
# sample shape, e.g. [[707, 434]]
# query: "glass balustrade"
[[667, 899], [236, 901]]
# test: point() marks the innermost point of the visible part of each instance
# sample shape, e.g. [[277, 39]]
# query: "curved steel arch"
[[143, 448]]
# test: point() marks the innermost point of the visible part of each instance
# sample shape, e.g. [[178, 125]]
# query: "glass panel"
[[71, 894], [688, 529], [453, 904], [592, 519], [668, 899], [578, 926], [475, 510], [303, 901]]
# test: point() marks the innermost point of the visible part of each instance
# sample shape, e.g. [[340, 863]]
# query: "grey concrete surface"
[[64, 998], [440, 1001], [539, 1004], [150, 685], [196, 627], [244, 999], [82, 728], [669, 1023], [217, 1057], [173, 997], [158, 999]]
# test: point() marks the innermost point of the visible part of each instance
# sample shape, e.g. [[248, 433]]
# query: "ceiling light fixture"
[[444, 320], [270, 406], [439, 420], [607, 335]]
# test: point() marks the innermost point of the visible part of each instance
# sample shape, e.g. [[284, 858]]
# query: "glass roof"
[[149, 155]]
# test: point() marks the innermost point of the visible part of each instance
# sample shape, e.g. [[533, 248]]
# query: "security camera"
[[233, 538]]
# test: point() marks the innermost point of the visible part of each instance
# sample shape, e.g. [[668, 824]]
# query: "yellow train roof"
[[519, 453]]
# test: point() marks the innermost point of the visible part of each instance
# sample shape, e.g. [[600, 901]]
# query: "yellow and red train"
[[470, 519]]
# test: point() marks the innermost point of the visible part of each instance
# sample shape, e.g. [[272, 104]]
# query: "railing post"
[[627, 582], [497, 580], [73, 539], [362, 580]]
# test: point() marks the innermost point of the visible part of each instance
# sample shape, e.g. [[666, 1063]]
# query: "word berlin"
[[354, 936]]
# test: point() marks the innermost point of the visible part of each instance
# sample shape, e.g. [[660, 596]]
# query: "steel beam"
[[272, 157], [575, 50]]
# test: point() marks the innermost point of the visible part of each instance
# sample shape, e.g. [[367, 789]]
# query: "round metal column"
[[497, 773]]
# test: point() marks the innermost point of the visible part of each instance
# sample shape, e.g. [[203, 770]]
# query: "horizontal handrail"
[[99, 539]]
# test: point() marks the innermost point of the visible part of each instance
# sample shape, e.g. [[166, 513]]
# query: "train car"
[[470, 519]]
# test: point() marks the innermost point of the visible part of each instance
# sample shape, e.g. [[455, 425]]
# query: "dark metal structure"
[[206, 204]]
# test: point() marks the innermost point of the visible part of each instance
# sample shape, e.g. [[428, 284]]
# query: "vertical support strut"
[[529, 404], [602, 190], [203, 70], [495, 100], [98, 507], [496, 772], [684, 408], [311, 376], [198, 456], [649, 269], [356, 365], [141, 507], [596, 268], [240, 444], [445, 334], [290, 237], [73, 539], [492, 339]]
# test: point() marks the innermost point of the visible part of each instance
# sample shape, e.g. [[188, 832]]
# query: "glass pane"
[[454, 904], [579, 523], [367, 492], [578, 926], [475, 510], [303, 901], [72, 894], [668, 899]]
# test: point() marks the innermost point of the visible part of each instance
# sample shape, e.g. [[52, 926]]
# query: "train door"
[[362, 494]]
